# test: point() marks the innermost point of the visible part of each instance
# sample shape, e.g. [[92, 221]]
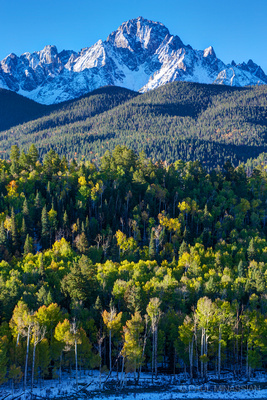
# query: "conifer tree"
[[14, 154], [82, 243], [28, 245], [14, 158], [152, 246], [3, 240], [14, 236], [240, 269], [33, 155], [23, 232], [183, 248], [65, 219], [45, 228], [251, 252], [26, 214]]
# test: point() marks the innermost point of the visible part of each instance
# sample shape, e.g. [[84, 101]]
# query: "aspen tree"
[[132, 348], [22, 324], [37, 336], [154, 313], [112, 320], [205, 312]]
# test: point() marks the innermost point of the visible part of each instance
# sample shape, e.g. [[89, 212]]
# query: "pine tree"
[[23, 160], [37, 214], [82, 243], [240, 269], [14, 157], [251, 251], [28, 245], [23, 232], [41, 264], [26, 214], [33, 155], [152, 247], [3, 240], [45, 228], [65, 219], [183, 248], [14, 236], [14, 154]]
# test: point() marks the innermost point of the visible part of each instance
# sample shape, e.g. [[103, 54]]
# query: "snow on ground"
[[164, 388]]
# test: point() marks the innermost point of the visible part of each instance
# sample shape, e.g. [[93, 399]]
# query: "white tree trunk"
[[60, 368], [206, 352], [100, 363], [202, 351], [153, 353], [191, 352], [76, 361], [247, 365], [219, 353], [27, 357], [33, 361], [110, 358], [156, 352]]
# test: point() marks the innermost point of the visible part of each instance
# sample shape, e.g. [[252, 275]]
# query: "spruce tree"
[[14, 157], [33, 155], [26, 215], [3, 240], [41, 264], [14, 154], [240, 269], [45, 228], [251, 251], [37, 214], [82, 243], [183, 248], [28, 245], [14, 236], [23, 232], [152, 247], [65, 219]]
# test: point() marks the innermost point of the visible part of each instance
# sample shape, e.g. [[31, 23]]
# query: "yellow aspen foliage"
[[12, 189], [132, 347], [111, 319]]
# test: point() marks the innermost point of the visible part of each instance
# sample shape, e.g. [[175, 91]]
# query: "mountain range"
[[140, 55]]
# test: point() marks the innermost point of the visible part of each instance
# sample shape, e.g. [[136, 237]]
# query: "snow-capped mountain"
[[139, 55]]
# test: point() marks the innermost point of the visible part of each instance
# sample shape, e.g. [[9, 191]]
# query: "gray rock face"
[[139, 55]]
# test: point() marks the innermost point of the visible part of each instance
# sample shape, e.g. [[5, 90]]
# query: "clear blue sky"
[[237, 29]]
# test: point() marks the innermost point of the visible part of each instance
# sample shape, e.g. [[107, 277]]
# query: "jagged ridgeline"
[[181, 120]]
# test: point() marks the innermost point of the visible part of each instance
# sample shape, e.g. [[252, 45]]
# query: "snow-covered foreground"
[[164, 388]]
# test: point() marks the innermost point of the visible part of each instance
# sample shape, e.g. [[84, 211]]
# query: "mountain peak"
[[209, 52], [139, 33]]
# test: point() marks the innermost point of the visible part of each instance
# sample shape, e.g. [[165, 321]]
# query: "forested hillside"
[[188, 121], [16, 109], [133, 265]]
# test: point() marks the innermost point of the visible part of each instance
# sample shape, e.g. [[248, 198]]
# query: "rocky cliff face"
[[139, 55]]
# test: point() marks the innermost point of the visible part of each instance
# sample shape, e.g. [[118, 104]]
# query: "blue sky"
[[237, 29]]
